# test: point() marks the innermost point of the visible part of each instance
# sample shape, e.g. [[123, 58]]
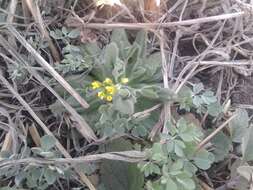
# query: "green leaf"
[[177, 165], [197, 101], [208, 97], [5, 154], [117, 175], [157, 148], [239, 125], [197, 88], [180, 143], [170, 184], [118, 70], [33, 176], [119, 37], [187, 183], [50, 176], [214, 109], [47, 142], [222, 145], [149, 93], [178, 150], [47, 154], [185, 98], [87, 168], [190, 168], [154, 185], [137, 74], [19, 178], [203, 159], [247, 144], [149, 168], [155, 169], [72, 49], [166, 94], [124, 93], [139, 131], [108, 130], [121, 124], [136, 179], [125, 106], [141, 40], [170, 146], [57, 34], [64, 30], [111, 56], [74, 33], [153, 63], [157, 152]]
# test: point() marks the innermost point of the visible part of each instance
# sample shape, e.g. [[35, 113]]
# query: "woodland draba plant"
[[125, 78]]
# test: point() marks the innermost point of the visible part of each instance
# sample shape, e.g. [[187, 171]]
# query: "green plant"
[[126, 78], [200, 99], [74, 59], [174, 161], [135, 83], [33, 175]]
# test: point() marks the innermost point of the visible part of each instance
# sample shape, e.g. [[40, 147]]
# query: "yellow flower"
[[110, 89], [101, 95], [109, 98], [96, 84], [108, 81], [124, 80]]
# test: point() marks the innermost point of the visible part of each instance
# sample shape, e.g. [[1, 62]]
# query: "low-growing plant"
[[74, 59], [33, 175], [174, 161], [118, 81], [125, 78]]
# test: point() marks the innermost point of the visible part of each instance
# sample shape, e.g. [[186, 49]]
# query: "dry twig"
[[81, 125], [34, 9], [150, 26], [215, 132]]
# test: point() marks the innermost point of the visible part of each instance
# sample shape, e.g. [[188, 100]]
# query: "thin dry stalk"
[[165, 69], [178, 86], [11, 11], [150, 26], [10, 18], [80, 124], [35, 135], [125, 156], [204, 185], [34, 9], [174, 53], [226, 63], [7, 142], [146, 112], [26, 12], [44, 127], [48, 67], [215, 132]]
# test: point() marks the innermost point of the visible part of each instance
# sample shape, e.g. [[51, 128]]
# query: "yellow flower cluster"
[[107, 88]]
